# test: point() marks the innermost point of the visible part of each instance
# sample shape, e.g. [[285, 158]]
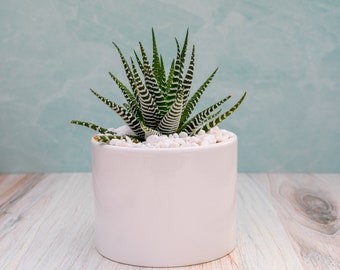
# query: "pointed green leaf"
[[151, 83], [147, 104], [170, 78], [108, 138], [195, 98], [195, 123], [171, 120], [126, 66], [139, 62], [223, 116], [178, 70], [130, 98], [149, 131], [188, 77], [128, 118], [156, 64], [177, 78], [162, 82], [92, 126]]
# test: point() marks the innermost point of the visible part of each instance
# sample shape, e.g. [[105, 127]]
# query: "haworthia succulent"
[[159, 102]]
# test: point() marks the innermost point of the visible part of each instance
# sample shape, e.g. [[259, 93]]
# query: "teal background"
[[286, 54]]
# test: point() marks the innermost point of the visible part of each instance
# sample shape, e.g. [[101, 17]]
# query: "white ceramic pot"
[[165, 207]]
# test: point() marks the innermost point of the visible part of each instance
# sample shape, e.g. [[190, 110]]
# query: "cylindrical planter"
[[165, 207]]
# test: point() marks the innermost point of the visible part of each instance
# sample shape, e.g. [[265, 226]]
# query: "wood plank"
[[47, 221]]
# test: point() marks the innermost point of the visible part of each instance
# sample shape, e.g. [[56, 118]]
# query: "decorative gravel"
[[213, 136]]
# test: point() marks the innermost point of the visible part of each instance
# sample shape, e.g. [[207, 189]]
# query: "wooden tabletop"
[[285, 221]]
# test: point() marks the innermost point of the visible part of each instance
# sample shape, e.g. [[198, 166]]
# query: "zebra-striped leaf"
[[149, 131], [195, 98], [171, 120], [177, 79], [157, 68], [127, 117], [92, 126], [223, 116], [188, 78], [130, 98], [108, 138], [126, 66], [170, 79], [199, 119], [151, 83], [147, 104], [139, 62], [162, 82]]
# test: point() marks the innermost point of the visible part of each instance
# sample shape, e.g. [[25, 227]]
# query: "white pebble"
[[173, 145], [201, 132], [118, 142], [152, 139], [183, 134]]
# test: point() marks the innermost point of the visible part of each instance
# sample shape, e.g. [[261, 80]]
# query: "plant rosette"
[[165, 182]]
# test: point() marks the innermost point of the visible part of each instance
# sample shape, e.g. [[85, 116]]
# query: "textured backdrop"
[[286, 54]]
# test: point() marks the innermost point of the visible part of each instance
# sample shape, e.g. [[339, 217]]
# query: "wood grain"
[[285, 221], [308, 206]]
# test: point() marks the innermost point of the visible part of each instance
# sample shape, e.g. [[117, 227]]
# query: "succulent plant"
[[159, 102]]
